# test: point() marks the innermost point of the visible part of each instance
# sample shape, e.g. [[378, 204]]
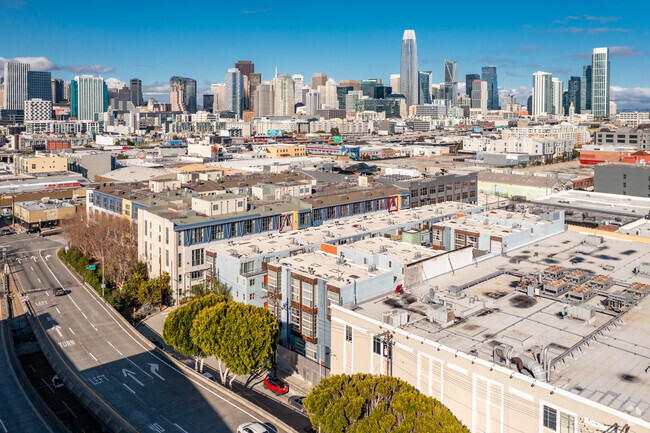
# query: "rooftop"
[[598, 202], [491, 309]]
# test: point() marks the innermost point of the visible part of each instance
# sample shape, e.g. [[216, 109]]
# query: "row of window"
[[441, 188]]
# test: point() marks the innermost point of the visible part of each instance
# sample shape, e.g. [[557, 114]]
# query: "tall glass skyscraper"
[[469, 79], [489, 75], [88, 96], [542, 93], [424, 87], [409, 68], [182, 94], [39, 85], [600, 82], [235, 91], [573, 95], [585, 89], [451, 80], [15, 93]]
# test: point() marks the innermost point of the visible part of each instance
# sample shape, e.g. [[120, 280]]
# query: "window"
[[167, 258], [196, 275], [378, 346], [251, 282], [295, 290], [307, 295], [166, 235], [423, 191], [246, 267], [196, 235], [318, 214], [240, 204], [267, 223], [345, 210], [180, 260], [215, 207], [441, 188], [249, 227], [311, 350], [333, 298], [217, 232], [550, 418], [197, 257], [251, 296], [234, 231], [303, 218], [331, 212], [567, 423], [308, 325], [414, 193], [356, 208], [295, 319], [348, 333]]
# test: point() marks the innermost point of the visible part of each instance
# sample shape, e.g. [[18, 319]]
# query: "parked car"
[[209, 376], [252, 427], [6, 232], [276, 385], [297, 402], [59, 292], [33, 230]]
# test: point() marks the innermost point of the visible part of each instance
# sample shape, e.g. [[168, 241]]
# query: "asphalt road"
[[144, 388], [17, 413]]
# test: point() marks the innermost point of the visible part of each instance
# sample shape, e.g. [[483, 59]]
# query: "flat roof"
[[404, 252], [598, 202], [490, 311], [325, 266], [35, 205]]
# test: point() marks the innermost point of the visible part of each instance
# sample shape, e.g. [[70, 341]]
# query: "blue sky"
[[346, 40]]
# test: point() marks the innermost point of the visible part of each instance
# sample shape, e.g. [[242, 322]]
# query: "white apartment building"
[[37, 109], [548, 147], [575, 134]]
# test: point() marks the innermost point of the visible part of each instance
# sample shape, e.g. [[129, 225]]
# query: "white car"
[[252, 427]]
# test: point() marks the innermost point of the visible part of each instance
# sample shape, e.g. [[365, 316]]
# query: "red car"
[[276, 385]]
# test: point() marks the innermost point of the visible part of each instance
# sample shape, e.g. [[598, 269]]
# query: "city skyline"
[[559, 39]]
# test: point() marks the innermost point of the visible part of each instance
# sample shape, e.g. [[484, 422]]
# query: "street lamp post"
[[103, 280]]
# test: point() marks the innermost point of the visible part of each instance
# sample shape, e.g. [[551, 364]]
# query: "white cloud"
[[633, 97], [112, 82], [45, 64], [522, 92]]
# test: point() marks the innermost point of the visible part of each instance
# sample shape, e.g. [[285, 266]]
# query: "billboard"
[[274, 132]]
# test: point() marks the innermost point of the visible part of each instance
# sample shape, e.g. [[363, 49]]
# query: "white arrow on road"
[[131, 374], [154, 371], [47, 257]]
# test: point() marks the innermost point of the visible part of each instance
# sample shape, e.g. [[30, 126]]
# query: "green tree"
[[364, 403], [176, 330], [242, 337]]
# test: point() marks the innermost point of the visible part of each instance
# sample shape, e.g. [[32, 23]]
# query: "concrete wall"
[[628, 179]]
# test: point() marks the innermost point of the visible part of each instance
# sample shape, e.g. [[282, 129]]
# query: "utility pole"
[[389, 371], [103, 280], [160, 279]]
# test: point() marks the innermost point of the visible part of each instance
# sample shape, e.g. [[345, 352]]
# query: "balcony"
[[252, 273]]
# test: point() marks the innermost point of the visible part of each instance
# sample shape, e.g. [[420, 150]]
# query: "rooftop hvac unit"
[[593, 240], [382, 248], [441, 314], [372, 268], [580, 312], [644, 268], [395, 318]]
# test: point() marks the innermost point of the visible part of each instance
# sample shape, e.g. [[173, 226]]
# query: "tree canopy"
[[242, 337], [365, 403], [176, 330]]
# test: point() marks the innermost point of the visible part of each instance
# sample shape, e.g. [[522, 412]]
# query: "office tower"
[[542, 93], [246, 67], [480, 94], [235, 91], [408, 75], [341, 91], [2, 93], [88, 97], [585, 90], [284, 95], [66, 92], [355, 84], [489, 74], [469, 79], [208, 102], [394, 83], [318, 79], [254, 80], [451, 80], [558, 90], [508, 99], [136, 92], [328, 96], [424, 87], [57, 90], [39, 85], [351, 99], [38, 109], [612, 108], [182, 94], [298, 84], [600, 82], [264, 100], [573, 95], [529, 104], [15, 86], [313, 102], [219, 92]]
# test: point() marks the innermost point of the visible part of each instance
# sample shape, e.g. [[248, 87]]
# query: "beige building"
[[475, 340], [45, 212], [34, 164]]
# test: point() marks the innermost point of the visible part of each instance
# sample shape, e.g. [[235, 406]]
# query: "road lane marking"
[[154, 370], [99, 379], [72, 331], [67, 343], [155, 427], [127, 387], [131, 374], [180, 428], [92, 356], [58, 330], [3, 426], [47, 294], [111, 344], [57, 310], [39, 280]]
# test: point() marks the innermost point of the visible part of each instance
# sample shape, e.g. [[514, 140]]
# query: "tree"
[[242, 337], [176, 330], [335, 131], [364, 403]]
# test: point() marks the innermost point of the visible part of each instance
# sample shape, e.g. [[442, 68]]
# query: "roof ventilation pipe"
[[503, 353]]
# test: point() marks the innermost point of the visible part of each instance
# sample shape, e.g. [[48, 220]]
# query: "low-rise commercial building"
[[35, 164], [45, 212], [622, 178]]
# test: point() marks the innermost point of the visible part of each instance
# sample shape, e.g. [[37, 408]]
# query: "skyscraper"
[[15, 86], [573, 95], [254, 80], [284, 94], [451, 80], [298, 84], [136, 92], [424, 87], [235, 91], [318, 79], [469, 79], [394, 83], [182, 94], [542, 93], [264, 100], [600, 82], [219, 92], [489, 74], [88, 96], [355, 84], [39, 85], [208, 102], [246, 67], [57, 90], [586, 89], [480, 94], [313, 102], [409, 68], [558, 91]]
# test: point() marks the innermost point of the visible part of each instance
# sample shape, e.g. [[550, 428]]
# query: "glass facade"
[[489, 74], [409, 68], [39, 85], [573, 95], [424, 87], [469, 79], [585, 89], [600, 82]]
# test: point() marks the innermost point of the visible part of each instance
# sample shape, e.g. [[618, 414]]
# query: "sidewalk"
[[279, 406]]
